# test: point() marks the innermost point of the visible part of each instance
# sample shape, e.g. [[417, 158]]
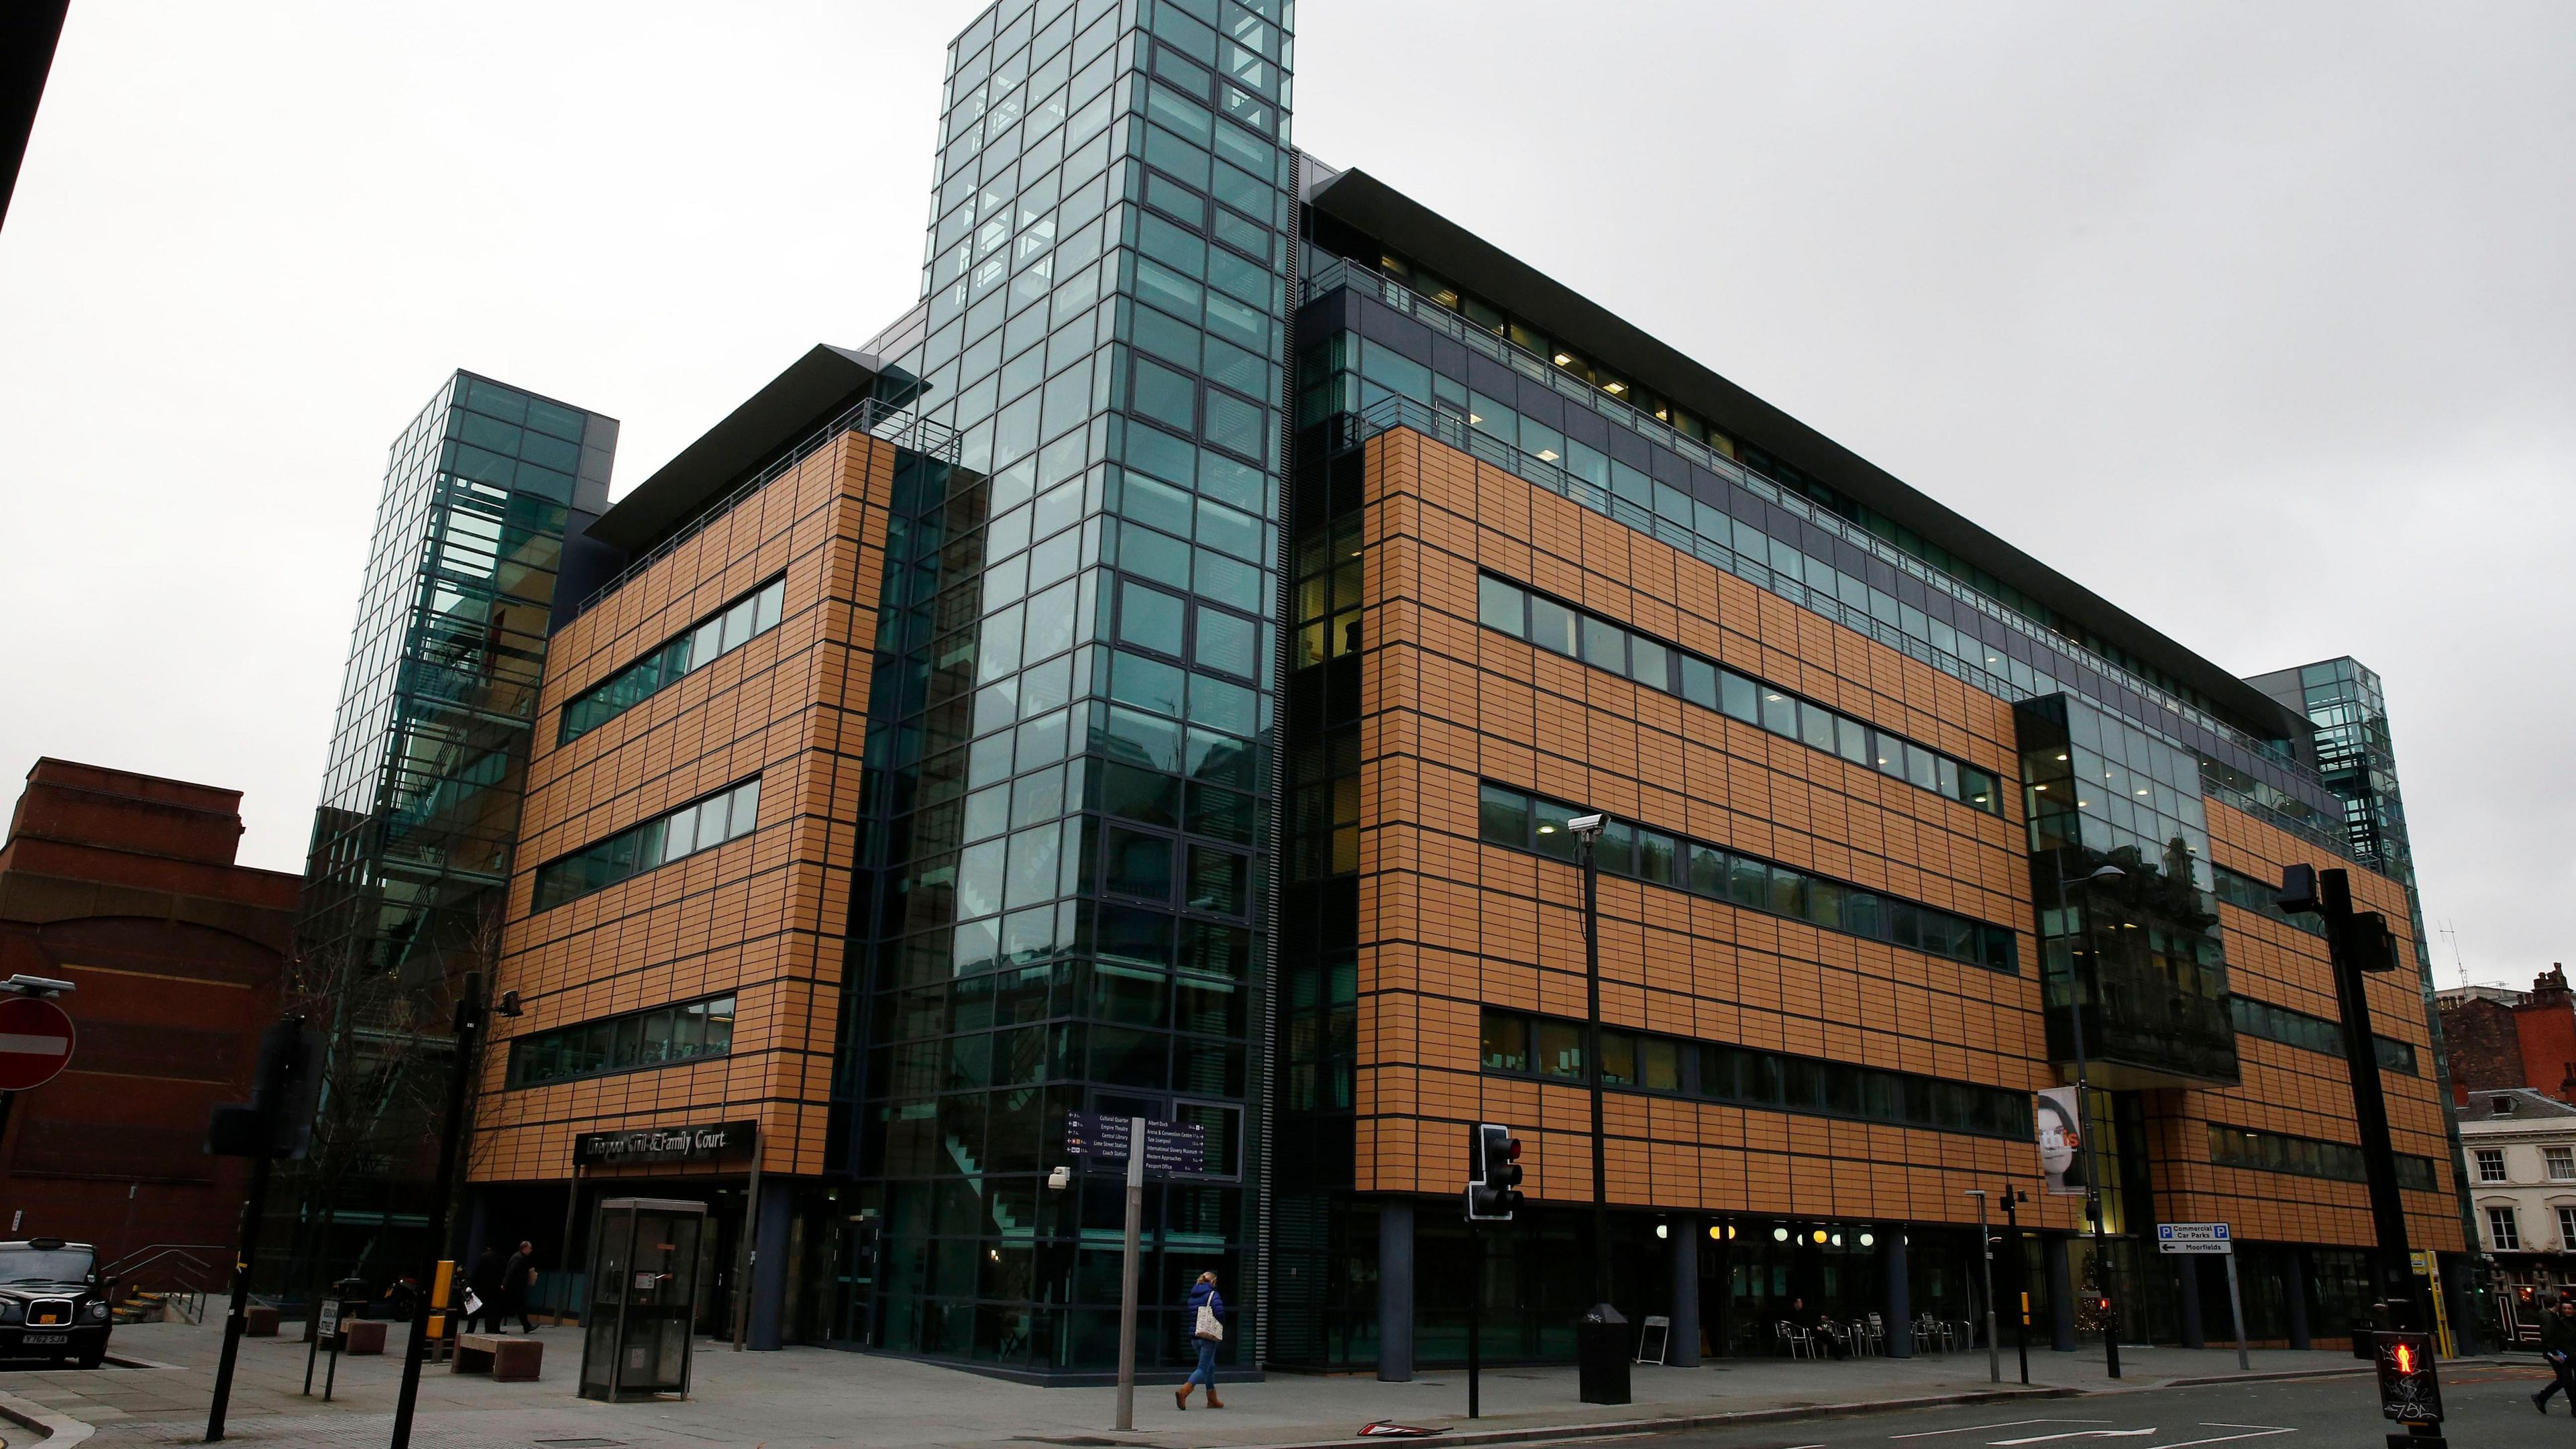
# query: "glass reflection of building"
[[1081, 803], [412, 842]]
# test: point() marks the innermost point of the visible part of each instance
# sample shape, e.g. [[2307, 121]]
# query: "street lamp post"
[[1986, 1265], [2102, 875], [1587, 830]]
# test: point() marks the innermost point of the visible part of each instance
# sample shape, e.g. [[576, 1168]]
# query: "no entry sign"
[[35, 1042]]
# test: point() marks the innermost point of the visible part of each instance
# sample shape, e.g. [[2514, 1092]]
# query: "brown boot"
[[1181, 1399], [1213, 1401]]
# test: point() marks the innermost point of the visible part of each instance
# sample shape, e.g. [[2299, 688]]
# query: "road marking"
[[2076, 1434], [2260, 1432], [2006, 1424]]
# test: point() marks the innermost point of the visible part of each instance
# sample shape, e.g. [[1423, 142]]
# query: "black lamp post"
[[2102, 875], [472, 1017]]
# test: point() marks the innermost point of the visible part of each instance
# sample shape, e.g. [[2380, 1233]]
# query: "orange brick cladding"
[[763, 916], [1449, 925]]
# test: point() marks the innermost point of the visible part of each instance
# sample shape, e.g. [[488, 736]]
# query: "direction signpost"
[[2204, 1240], [1168, 1147]]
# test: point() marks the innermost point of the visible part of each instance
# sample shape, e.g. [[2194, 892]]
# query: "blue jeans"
[[1205, 1373]]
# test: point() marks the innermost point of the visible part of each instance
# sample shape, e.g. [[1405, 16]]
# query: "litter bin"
[[1601, 1351]]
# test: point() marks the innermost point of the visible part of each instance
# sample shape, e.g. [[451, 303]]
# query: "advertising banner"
[[2061, 1148]]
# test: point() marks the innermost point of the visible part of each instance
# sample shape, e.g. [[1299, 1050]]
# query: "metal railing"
[[1343, 431], [181, 1275], [890, 422], [1343, 272]]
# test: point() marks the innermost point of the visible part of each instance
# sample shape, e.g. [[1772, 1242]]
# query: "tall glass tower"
[[1074, 740], [420, 802]]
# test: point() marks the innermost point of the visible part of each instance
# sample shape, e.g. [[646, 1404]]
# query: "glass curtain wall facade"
[[1076, 791], [420, 803]]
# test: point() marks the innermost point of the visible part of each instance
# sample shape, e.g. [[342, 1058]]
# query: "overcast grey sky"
[[2259, 319]]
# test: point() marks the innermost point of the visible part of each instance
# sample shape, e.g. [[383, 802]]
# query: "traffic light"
[[2408, 1391], [278, 1119], [1493, 1173]]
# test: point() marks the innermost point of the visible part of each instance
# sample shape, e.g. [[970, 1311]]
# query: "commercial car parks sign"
[[2201, 1238], [663, 1144]]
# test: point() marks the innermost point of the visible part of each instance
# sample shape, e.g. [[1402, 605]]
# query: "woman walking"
[[1207, 1329]]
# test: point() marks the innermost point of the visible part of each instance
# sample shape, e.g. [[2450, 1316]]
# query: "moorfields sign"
[[663, 1144]]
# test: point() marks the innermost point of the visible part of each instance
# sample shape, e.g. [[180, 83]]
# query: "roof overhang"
[[1373, 207], [814, 389]]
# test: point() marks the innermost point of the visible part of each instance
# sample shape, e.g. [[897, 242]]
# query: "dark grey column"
[[1900, 1291], [2061, 1291], [1395, 1293], [2193, 1335], [767, 1328], [1686, 1240], [2297, 1287]]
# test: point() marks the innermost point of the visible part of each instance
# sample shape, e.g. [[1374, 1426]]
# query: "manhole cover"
[[580, 1443], [1076, 1442]]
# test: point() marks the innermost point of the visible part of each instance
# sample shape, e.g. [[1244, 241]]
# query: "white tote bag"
[[1208, 1327]]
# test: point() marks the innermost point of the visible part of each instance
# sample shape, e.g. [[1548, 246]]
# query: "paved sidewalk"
[[814, 1397]]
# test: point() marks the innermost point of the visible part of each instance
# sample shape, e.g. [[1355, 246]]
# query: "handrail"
[[135, 1259], [895, 423], [1342, 431], [1342, 271]]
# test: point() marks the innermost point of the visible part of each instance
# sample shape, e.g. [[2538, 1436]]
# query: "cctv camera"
[[1060, 1179]]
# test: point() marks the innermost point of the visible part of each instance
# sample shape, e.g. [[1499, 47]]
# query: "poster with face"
[[2061, 1148]]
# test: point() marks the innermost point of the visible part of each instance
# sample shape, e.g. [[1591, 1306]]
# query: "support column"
[[2298, 1295], [767, 1329], [2061, 1292], [1900, 1291], [1395, 1293], [2193, 1334], [1686, 1232]]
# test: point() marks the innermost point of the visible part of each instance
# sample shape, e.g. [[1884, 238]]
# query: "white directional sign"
[[2209, 1238]]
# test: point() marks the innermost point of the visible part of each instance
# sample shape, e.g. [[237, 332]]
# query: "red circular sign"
[[35, 1042]]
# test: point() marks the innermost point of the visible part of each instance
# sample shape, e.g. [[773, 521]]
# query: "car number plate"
[[44, 1338]]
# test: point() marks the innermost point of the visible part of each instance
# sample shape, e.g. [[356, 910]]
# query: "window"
[[2504, 1235], [2491, 1164], [1518, 1044], [1522, 821], [728, 629], [1506, 606], [700, 825], [2309, 1157], [2561, 1162], [2567, 1230], [656, 1038]]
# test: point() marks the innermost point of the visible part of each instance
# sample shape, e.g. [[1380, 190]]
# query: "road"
[[2489, 1408]]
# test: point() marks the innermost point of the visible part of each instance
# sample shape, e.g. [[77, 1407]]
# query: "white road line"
[[2006, 1424], [2260, 1433], [2076, 1434]]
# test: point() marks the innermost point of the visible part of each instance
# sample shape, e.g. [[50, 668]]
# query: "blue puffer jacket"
[[1204, 1295]]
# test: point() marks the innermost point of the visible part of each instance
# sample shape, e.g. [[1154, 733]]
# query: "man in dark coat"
[[2558, 1349], [516, 1278]]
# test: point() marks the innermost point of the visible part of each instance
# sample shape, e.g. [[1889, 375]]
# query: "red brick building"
[[125, 885], [2502, 1038]]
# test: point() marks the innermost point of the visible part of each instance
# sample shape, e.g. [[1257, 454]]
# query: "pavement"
[[801, 1397]]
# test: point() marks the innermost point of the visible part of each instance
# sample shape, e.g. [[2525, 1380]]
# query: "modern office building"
[[1157, 676], [419, 817]]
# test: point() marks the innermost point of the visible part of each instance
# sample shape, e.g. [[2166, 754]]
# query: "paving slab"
[[803, 1397]]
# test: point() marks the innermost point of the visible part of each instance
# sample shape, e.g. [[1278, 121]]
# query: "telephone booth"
[[643, 1293]]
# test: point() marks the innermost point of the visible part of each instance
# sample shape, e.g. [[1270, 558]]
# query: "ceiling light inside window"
[[1563, 358]]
